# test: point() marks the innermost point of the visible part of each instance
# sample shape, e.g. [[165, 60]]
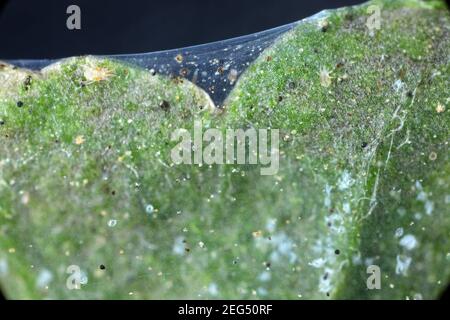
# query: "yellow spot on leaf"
[[440, 108], [94, 73], [79, 140], [257, 234], [179, 58]]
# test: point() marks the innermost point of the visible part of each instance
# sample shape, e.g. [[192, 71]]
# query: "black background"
[[37, 28]]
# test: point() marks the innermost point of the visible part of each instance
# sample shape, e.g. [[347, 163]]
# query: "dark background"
[[37, 28]]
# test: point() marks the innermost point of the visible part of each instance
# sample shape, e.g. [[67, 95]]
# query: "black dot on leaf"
[[20, 104], [164, 105], [102, 267], [337, 251]]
